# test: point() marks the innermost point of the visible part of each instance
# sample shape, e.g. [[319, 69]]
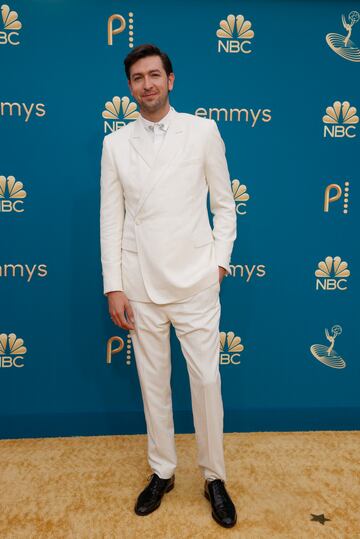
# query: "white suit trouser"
[[196, 323]]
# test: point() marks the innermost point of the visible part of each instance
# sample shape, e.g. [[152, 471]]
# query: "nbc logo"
[[230, 348], [115, 345], [16, 349], [120, 111], [342, 45], [333, 192], [11, 23], [11, 193], [119, 29], [331, 274], [240, 196], [327, 354], [340, 120], [234, 35]]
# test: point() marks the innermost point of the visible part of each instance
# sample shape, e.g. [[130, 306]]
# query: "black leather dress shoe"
[[150, 498], [223, 509]]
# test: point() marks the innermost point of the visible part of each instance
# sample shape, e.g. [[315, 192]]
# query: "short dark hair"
[[142, 51]]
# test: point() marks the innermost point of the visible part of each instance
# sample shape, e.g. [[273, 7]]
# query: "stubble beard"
[[156, 105]]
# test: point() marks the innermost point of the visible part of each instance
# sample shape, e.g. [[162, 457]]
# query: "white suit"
[[157, 246], [166, 220]]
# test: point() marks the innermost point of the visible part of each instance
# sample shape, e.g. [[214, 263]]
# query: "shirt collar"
[[163, 123]]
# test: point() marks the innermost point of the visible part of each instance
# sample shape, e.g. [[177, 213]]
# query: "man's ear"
[[173, 79]]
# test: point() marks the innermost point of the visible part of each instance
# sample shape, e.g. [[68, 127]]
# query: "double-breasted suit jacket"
[[157, 243]]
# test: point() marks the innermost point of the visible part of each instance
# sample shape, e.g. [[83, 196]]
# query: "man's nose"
[[147, 83]]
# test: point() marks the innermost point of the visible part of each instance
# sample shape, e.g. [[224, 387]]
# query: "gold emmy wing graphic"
[[342, 45], [327, 354]]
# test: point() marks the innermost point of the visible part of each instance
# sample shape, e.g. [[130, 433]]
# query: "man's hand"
[[119, 305], [222, 273]]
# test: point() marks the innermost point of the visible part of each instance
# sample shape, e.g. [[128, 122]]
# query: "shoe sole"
[[170, 487], [215, 517]]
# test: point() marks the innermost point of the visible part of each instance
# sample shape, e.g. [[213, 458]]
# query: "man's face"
[[149, 83]]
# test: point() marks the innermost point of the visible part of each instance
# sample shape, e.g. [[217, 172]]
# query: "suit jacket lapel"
[[170, 149], [142, 143]]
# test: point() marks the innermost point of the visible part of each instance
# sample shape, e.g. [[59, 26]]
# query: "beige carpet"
[[85, 487]]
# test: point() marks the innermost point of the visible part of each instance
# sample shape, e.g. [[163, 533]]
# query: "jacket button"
[[137, 221]]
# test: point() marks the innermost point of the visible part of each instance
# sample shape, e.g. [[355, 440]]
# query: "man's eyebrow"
[[151, 71]]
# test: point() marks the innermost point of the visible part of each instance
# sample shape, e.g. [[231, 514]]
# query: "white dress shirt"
[[157, 130]]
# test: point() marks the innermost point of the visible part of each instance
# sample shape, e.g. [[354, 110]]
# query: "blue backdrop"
[[282, 81]]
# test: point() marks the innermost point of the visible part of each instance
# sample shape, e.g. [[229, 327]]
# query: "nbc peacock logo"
[[11, 23], [240, 196], [332, 274], [340, 120], [12, 351], [230, 348], [327, 354], [118, 113], [342, 45], [12, 194], [234, 35]]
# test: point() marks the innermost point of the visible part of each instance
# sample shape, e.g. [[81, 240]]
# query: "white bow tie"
[[163, 126]]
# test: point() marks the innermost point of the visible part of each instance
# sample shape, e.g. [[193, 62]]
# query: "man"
[[163, 264]]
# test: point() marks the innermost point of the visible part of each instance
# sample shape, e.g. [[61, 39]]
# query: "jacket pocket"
[[192, 161], [129, 245]]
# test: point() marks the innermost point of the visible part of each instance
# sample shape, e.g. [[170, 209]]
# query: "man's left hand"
[[222, 273]]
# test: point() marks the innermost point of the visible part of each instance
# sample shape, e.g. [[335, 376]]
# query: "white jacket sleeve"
[[112, 213], [222, 203]]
